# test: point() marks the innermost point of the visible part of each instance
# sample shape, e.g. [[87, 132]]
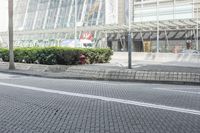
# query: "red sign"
[[86, 36]]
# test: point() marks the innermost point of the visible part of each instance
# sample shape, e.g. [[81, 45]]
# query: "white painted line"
[[108, 99], [8, 76], [113, 83], [172, 90]]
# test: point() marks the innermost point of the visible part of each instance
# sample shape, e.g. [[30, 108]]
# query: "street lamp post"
[[75, 20], [129, 36], [10, 35], [158, 27], [197, 38]]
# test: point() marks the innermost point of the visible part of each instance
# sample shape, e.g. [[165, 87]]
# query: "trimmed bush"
[[4, 54], [57, 55], [98, 55]]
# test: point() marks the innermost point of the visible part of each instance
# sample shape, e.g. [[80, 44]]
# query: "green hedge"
[[57, 55]]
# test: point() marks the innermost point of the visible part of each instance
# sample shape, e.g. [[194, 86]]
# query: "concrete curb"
[[124, 75], [138, 76]]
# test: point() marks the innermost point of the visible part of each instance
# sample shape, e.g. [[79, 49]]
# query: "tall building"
[[55, 14], [155, 25]]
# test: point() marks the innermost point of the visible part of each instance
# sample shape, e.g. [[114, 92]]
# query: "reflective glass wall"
[[51, 14], [151, 10], [59, 14]]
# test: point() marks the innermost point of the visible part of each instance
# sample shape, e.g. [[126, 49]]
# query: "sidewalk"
[[141, 72]]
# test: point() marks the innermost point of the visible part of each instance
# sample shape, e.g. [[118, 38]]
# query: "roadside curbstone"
[[105, 73]]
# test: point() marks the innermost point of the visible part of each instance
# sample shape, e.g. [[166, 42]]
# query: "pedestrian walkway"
[[140, 72]]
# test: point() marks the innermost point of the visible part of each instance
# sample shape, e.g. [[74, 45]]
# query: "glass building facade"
[[182, 15], [52, 14], [163, 23], [147, 10]]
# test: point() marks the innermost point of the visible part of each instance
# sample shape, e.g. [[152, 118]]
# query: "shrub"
[[98, 55], [57, 55], [4, 54]]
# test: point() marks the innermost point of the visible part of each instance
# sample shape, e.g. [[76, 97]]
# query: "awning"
[[151, 26]]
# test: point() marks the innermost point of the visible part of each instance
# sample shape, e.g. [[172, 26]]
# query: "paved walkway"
[[143, 72]]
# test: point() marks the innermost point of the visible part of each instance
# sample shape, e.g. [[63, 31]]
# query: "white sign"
[[111, 10]]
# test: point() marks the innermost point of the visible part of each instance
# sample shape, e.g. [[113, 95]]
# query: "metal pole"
[[193, 7], [75, 20], [158, 45], [129, 51], [10, 36], [174, 2], [197, 43], [129, 36]]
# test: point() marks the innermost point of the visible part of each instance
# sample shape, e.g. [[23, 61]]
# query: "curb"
[[140, 76], [118, 75]]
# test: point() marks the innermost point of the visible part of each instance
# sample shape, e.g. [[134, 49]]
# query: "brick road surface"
[[25, 111]]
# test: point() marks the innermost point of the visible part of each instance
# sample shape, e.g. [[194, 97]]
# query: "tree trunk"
[[10, 35]]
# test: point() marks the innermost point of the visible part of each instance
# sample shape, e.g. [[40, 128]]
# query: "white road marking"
[[9, 76], [1, 78], [172, 90], [108, 99], [114, 83]]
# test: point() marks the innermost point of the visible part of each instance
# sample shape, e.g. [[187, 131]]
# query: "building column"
[[174, 5], [121, 12], [70, 12], [83, 12], [46, 15], [99, 12], [26, 14], [57, 15], [36, 15]]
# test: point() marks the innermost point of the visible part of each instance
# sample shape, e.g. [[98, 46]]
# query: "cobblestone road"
[[40, 105]]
